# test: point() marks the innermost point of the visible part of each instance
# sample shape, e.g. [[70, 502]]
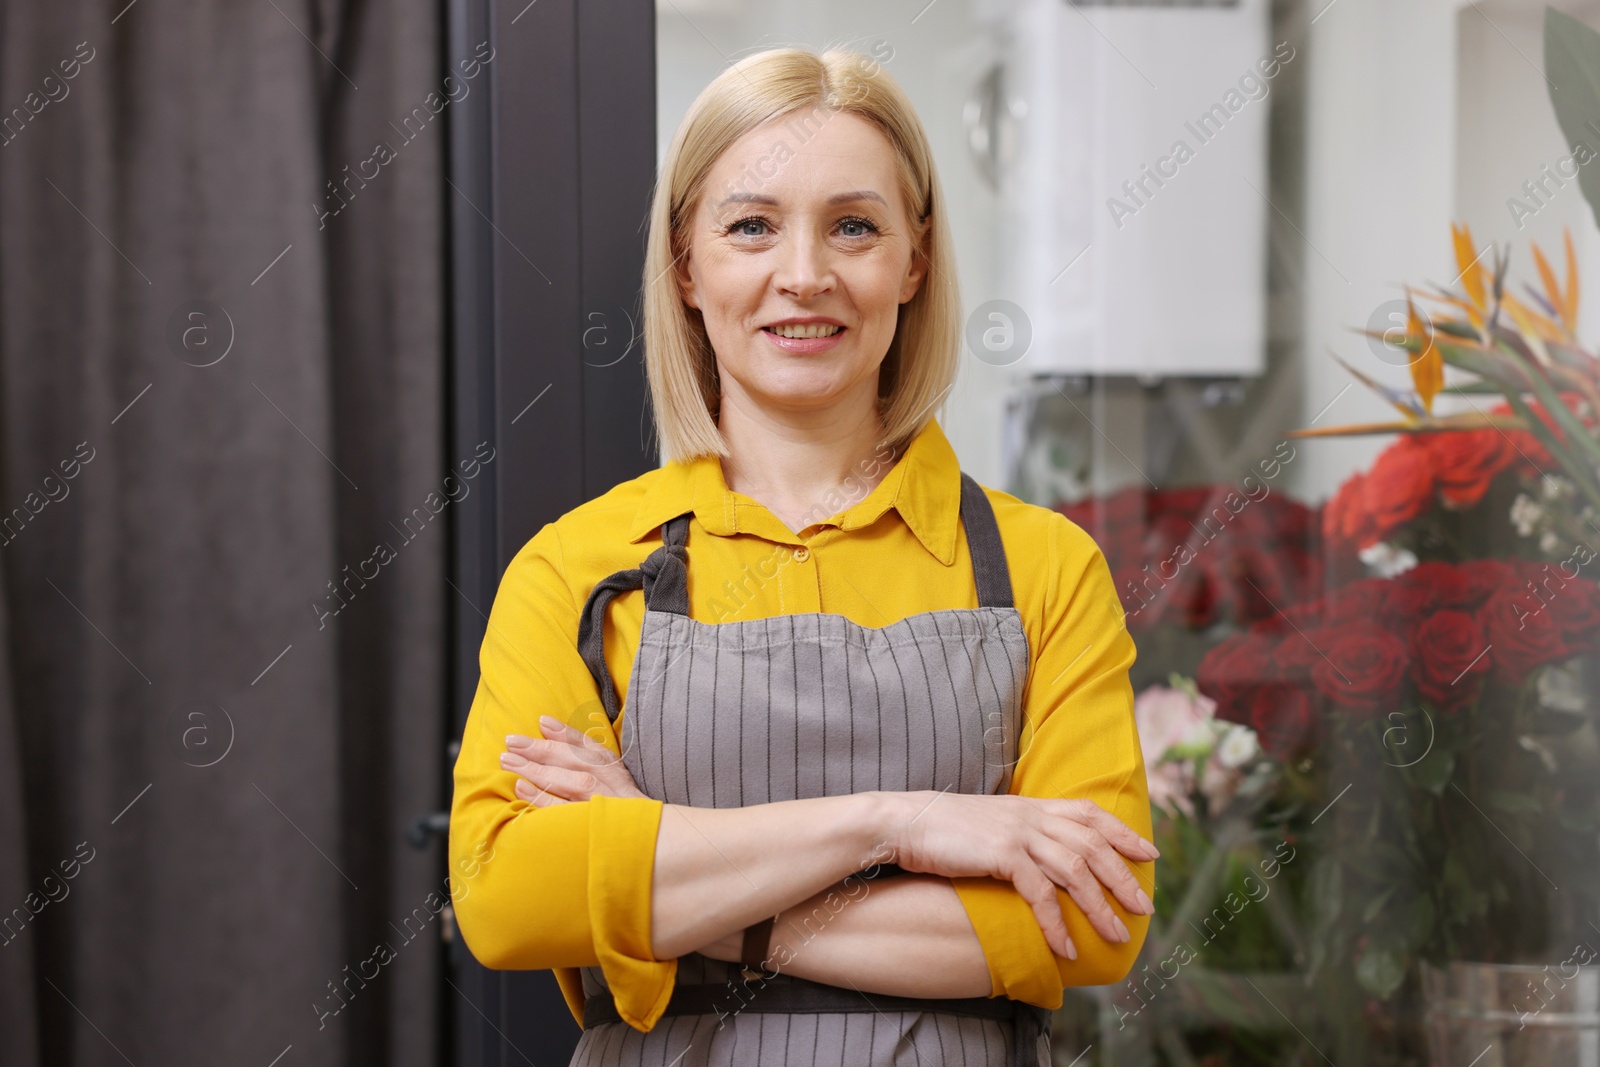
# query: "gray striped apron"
[[810, 705]]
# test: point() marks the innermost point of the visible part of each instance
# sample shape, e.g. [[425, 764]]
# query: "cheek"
[[878, 300], [730, 285]]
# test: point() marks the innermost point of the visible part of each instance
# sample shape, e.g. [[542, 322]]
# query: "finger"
[[1120, 834], [559, 753], [1072, 872], [540, 798], [556, 730], [561, 740], [572, 784], [1107, 864], [551, 753], [1040, 893]]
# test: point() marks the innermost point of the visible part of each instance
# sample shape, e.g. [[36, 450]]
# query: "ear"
[[685, 279], [916, 270]]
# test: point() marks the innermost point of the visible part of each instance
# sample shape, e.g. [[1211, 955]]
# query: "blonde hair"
[[679, 363]]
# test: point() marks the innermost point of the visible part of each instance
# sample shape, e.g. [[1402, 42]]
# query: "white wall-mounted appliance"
[[1129, 144]]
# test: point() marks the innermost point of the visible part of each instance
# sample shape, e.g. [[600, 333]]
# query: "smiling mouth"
[[810, 330]]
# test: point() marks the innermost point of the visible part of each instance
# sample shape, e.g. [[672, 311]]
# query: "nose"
[[805, 266]]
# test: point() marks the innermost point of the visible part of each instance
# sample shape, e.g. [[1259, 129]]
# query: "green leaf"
[[1433, 772], [1381, 970], [1472, 389], [1578, 435], [1419, 921], [1573, 466], [1376, 904], [1572, 68], [1517, 803]]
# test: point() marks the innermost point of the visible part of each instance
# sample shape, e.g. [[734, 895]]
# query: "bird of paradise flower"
[[1527, 352]]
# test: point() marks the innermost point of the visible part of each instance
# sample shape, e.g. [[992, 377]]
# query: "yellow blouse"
[[569, 885]]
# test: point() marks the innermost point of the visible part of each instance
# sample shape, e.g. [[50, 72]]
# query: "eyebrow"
[[768, 201]]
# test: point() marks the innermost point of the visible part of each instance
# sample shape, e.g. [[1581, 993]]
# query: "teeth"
[[816, 329]]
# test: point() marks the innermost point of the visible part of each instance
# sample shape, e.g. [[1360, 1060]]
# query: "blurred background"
[[312, 313]]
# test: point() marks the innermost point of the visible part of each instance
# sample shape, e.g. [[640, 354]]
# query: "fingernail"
[[511, 759], [1146, 906], [517, 740], [550, 724], [1072, 952], [1149, 846], [1122, 930]]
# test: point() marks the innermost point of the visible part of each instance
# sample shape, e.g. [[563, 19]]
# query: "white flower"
[[1238, 746], [1550, 542], [1525, 514], [1555, 488], [1386, 560]]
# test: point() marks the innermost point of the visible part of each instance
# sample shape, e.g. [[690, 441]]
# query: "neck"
[[804, 467]]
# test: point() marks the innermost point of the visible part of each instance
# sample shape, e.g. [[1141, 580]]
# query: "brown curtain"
[[208, 761]]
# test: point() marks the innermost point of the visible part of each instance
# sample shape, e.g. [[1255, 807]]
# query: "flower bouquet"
[[1443, 715], [1545, 433], [1191, 563], [1227, 927]]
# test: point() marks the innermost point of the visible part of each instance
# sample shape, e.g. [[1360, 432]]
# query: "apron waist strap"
[[802, 997]]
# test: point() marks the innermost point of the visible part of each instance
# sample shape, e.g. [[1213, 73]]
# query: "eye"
[[752, 220], [856, 220]]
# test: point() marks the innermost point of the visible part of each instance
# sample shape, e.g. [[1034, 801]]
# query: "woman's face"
[[801, 222]]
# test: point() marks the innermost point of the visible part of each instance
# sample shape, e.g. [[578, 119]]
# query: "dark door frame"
[[551, 171]]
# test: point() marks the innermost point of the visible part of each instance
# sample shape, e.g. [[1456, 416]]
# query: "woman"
[[824, 655]]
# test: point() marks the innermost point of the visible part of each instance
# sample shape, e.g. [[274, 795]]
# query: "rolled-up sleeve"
[[1080, 741], [563, 886]]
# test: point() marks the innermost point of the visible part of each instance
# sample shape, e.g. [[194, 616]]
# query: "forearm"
[[717, 870], [905, 936]]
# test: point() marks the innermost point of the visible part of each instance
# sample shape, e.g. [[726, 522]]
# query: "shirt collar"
[[924, 488]]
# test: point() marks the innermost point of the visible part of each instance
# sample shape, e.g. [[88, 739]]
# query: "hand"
[[1034, 843], [565, 765]]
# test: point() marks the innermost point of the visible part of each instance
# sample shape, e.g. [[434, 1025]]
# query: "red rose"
[[1184, 501], [1231, 671], [1403, 603], [1364, 670], [1199, 602], [1306, 646], [1306, 567], [1466, 461], [1398, 488], [1575, 609], [1487, 577], [1125, 507], [1523, 634], [1449, 648], [1360, 602], [1288, 521], [1344, 516], [1283, 720], [1450, 585], [1304, 613]]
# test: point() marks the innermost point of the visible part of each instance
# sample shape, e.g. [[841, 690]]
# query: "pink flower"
[[1169, 718], [1170, 785]]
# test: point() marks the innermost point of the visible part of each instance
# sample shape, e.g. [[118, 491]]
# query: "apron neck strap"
[[665, 580], [989, 569]]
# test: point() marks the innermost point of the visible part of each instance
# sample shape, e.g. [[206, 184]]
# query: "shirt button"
[[801, 554]]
